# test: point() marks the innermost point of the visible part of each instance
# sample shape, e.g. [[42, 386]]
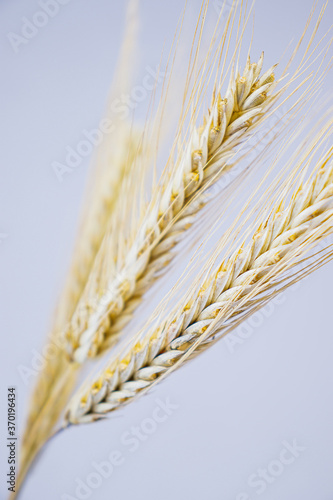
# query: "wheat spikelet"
[[173, 209], [236, 285]]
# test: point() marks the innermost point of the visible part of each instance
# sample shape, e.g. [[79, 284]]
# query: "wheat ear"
[[235, 285], [112, 166], [97, 322], [58, 371]]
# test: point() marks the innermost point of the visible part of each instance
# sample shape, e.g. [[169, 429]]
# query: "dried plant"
[[128, 263], [224, 298], [112, 166], [173, 209], [122, 247]]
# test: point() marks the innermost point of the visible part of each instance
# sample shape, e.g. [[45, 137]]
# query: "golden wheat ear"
[[229, 122], [185, 177], [128, 262], [112, 164], [229, 289], [118, 282]]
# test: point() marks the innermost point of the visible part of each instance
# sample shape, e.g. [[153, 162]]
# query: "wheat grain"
[[236, 285]]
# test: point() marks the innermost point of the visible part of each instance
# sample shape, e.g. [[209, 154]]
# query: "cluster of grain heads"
[[239, 283], [114, 266], [98, 320]]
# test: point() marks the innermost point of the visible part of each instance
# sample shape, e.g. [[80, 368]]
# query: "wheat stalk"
[[97, 322], [225, 295]]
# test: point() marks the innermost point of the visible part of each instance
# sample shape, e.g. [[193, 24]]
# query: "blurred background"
[[235, 409]]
